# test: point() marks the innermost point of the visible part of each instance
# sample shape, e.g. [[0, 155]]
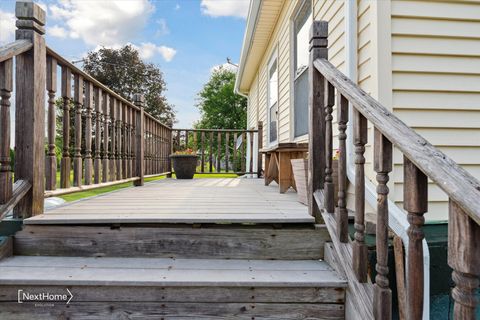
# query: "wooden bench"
[[277, 163]]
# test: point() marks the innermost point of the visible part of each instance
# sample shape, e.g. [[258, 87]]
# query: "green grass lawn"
[[90, 193]]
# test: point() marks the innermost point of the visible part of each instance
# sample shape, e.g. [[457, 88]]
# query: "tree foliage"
[[219, 106], [124, 72]]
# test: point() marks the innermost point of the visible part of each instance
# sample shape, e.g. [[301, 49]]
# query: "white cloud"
[[162, 28], [57, 31], [225, 8], [147, 50], [7, 26], [104, 23]]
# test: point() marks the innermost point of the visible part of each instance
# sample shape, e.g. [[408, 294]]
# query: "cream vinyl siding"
[[436, 84]]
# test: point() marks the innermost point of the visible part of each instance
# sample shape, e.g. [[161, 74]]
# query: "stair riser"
[[226, 242]]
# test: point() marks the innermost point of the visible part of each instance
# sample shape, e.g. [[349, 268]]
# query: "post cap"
[[138, 99], [30, 16], [318, 34]]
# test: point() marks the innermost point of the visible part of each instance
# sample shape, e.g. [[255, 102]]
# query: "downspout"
[[397, 218]]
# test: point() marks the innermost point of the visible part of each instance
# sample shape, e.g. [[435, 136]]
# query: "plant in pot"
[[184, 163], [300, 174]]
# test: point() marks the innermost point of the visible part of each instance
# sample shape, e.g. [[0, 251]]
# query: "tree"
[[219, 106], [123, 71]]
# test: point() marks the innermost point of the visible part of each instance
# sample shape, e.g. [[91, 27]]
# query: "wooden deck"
[[184, 201]]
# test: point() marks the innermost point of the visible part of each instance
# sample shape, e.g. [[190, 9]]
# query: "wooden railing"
[[422, 161], [105, 138], [222, 150]]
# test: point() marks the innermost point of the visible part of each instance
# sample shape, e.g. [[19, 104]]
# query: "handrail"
[[20, 189], [64, 62], [14, 49], [216, 130], [462, 187]]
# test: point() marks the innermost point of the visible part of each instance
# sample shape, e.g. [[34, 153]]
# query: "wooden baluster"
[[139, 101], [234, 152], [106, 138], [227, 150], [119, 130], [113, 139], [170, 151], [88, 132], [316, 145], [77, 155], [186, 139], [134, 142], [129, 142], [195, 142], [124, 141], [6, 87], [251, 152], [359, 255], [415, 194], [382, 165], [30, 78], [219, 153], [260, 146], [65, 163], [342, 213], [329, 186], [464, 259], [159, 148], [155, 153], [150, 146], [210, 155], [98, 136], [242, 152], [203, 152], [51, 160]]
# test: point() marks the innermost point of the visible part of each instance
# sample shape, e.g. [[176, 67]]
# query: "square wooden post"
[[30, 108], [316, 132], [259, 146], [139, 101]]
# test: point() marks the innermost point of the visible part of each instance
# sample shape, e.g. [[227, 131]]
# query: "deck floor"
[[184, 201]]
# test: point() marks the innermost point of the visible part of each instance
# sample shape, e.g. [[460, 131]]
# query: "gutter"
[[253, 14], [397, 219]]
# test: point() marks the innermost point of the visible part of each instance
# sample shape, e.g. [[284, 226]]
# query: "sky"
[[185, 38]]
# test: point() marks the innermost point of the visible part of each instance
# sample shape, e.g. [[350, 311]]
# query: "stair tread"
[[46, 270]]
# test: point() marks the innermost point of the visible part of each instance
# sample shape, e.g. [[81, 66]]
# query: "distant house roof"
[[261, 20]]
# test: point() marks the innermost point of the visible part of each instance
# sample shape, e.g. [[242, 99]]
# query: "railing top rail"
[[64, 62], [460, 186], [217, 130], [14, 49], [157, 121]]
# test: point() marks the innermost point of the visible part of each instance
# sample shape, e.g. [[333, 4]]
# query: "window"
[[272, 101], [301, 28]]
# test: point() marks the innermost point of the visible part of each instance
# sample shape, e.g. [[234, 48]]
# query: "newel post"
[[316, 140], [259, 147], [30, 108], [139, 101]]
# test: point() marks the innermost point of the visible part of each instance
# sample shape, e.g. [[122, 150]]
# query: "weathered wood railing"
[[222, 150], [105, 138], [422, 161]]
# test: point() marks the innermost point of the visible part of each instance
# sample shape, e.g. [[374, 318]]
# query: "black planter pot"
[[184, 165]]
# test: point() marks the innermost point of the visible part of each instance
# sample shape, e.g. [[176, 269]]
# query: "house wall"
[[420, 59]]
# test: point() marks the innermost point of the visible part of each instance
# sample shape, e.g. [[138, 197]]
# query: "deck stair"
[[172, 270]]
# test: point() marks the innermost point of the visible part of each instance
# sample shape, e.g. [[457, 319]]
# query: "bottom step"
[[152, 288]]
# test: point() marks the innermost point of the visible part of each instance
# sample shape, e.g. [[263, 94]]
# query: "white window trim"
[[273, 58], [293, 76]]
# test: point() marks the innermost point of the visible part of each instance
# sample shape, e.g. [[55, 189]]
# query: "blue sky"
[[186, 38]]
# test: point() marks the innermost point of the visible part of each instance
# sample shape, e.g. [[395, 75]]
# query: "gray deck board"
[[34, 270], [184, 201]]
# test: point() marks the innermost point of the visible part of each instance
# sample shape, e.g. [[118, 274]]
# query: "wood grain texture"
[[260, 146], [342, 213], [30, 87], [14, 48], [6, 247], [457, 183], [88, 102], [316, 128], [6, 87], [400, 277], [464, 259], [139, 139], [20, 189], [65, 164], [51, 159], [328, 186], [77, 149], [97, 163], [383, 155], [106, 138], [177, 241]]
